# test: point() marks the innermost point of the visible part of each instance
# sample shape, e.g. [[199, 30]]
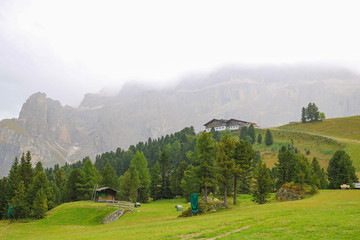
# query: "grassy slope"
[[345, 131], [332, 214]]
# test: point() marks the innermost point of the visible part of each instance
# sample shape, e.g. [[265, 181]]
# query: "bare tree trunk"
[[205, 193], [235, 189], [225, 196]]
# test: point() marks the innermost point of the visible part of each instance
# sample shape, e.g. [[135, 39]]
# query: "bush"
[[203, 209], [292, 191]]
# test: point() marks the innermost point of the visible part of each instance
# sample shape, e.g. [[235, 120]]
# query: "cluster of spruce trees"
[[311, 113], [27, 190]]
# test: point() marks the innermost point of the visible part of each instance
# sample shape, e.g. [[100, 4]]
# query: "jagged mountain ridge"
[[269, 96]]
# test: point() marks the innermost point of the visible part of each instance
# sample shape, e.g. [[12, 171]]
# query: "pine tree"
[[176, 178], [251, 133], [141, 165], [155, 183], [26, 171], [319, 175], [303, 115], [109, 177], [243, 156], [60, 181], [19, 202], [40, 205], [243, 133], [225, 164], [190, 182], [268, 138], [340, 170], [205, 149], [165, 175], [259, 139], [285, 168], [130, 184], [91, 176], [262, 183], [75, 186]]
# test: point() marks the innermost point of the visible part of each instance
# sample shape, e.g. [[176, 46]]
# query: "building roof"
[[227, 121], [105, 188]]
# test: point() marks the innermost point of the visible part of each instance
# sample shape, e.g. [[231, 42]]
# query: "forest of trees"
[[175, 165]]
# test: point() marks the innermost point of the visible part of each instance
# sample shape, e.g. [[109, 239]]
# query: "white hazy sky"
[[68, 48]]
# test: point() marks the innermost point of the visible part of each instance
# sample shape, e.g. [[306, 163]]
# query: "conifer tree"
[[75, 186], [251, 133], [40, 206], [109, 177], [165, 175], [303, 115], [155, 183], [60, 181], [340, 170], [141, 165], [243, 156], [285, 168], [319, 175], [91, 176], [243, 133], [262, 183], [268, 138], [19, 202], [26, 171], [176, 178], [205, 149], [225, 164], [190, 182], [130, 184], [259, 138]]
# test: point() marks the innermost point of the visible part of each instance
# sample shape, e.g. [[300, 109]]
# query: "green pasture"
[[332, 214]]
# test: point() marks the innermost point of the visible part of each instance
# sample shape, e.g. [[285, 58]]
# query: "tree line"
[[172, 166]]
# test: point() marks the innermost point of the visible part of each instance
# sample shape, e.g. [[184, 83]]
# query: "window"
[[103, 195]]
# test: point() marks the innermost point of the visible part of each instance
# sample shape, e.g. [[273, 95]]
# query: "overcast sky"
[[68, 48]]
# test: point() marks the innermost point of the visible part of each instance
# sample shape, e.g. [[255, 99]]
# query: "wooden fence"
[[121, 205]]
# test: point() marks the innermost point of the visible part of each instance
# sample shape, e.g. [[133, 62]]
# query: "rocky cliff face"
[[268, 96]]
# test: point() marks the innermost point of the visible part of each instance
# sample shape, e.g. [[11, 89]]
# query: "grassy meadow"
[[321, 138], [331, 214]]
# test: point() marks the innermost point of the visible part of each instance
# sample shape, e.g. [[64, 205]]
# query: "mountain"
[[267, 95]]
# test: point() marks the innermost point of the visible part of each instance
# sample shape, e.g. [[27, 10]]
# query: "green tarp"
[[194, 202]]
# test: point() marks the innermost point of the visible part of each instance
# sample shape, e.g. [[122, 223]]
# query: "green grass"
[[332, 214]]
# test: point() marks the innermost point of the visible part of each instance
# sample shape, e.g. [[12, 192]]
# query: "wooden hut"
[[105, 194]]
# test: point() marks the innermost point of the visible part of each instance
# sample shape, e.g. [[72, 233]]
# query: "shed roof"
[[105, 188]]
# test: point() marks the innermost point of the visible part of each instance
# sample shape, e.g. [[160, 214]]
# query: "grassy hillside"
[[321, 138], [332, 214]]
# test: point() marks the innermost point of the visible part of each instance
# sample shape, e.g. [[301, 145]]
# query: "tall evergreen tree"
[[165, 175], [40, 206], [75, 187], [176, 178], [130, 184], [319, 175], [91, 177], [60, 181], [243, 156], [215, 134], [268, 138], [259, 139], [303, 115], [262, 183], [141, 165], [26, 171], [225, 164], [303, 173], [109, 177], [190, 182], [155, 182], [285, 168], [19, 202], [243, 133], [205, 149], [340, 170], [251, 133]]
